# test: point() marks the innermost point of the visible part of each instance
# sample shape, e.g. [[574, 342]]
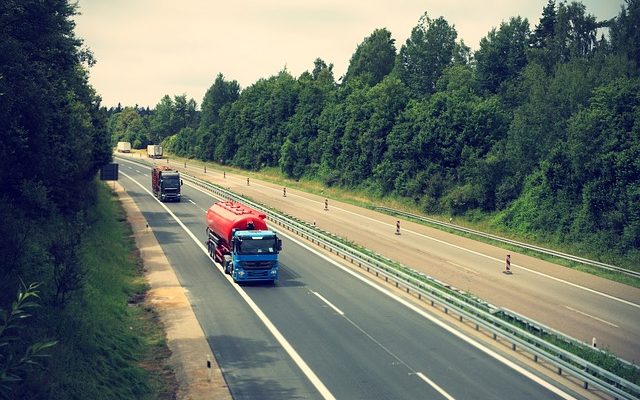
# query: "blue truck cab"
[[254, 256]]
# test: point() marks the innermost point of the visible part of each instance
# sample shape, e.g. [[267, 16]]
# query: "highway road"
[[579, 304], [321, 331]]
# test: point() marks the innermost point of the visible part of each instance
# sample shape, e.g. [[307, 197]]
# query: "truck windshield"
[[257, 246], [171, 182]]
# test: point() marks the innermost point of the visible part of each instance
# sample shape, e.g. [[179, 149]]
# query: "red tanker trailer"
[[238, 238]]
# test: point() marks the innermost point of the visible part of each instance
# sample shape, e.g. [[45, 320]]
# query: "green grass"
[[111, 346], [600, 357]]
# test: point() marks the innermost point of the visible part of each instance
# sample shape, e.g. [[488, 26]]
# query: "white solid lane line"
[[420, 374], [340, 312], [306, 370], [435, 386], [336, 309], [592, 317], [437, 321], [421, 312]]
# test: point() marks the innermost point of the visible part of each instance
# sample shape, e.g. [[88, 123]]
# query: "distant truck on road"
[[165, 183], [154, 151], [238, 238], [123, 147]]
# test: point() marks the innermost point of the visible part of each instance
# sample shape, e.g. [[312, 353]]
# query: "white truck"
[[154, 151], [123, 147]]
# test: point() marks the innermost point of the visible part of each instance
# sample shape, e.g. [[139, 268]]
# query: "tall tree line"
[[538, 127], [53, 139]]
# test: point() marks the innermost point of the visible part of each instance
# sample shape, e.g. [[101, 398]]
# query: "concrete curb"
[[185, 338]]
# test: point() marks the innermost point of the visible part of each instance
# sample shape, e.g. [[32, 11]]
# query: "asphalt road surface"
[[579, 304], [320, 331]]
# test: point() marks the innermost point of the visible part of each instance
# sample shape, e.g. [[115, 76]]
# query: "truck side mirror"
[[279, 244], [181, 182]]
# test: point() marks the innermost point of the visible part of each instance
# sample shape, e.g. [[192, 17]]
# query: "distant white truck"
[[124, 147], [154, 151]]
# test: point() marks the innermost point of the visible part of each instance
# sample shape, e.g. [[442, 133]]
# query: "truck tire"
[[227, 264], [225, 267]]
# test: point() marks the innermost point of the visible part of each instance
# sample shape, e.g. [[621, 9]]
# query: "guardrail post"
[[559, 371]]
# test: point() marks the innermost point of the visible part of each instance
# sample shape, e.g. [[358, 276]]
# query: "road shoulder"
[[185, 338]]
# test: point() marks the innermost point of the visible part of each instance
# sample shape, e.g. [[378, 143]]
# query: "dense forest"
[[53, 140], [539, 128]]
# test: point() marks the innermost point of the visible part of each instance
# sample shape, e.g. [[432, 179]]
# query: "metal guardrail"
[[539, 249], [473, 310]]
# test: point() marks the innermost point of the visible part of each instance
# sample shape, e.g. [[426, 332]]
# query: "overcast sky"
[[148, 48]]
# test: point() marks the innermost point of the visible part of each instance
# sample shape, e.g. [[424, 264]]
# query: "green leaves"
[[502, 54], [425, 55], [529, 126], [373, 59], [13, 367]]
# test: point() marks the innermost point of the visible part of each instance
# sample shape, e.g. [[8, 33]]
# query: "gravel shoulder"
[[185, 338]]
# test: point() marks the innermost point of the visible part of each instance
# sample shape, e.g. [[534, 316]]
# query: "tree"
[[161, 121], [565, 32], [603, 152], [502, 54], [544, 32], [323, 73], [373, 58], [184, 114], [426, 53], [625, 32], [221, 93]]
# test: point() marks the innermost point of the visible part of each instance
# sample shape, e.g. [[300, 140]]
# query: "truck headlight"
[[241, 273], [273, 271]]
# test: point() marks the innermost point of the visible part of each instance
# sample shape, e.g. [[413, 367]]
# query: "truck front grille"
[[257, 265]]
